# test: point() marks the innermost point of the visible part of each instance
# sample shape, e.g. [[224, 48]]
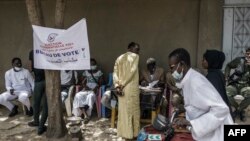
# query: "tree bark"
[[56, 124], [59, 13], [32, 8], [57, 127]]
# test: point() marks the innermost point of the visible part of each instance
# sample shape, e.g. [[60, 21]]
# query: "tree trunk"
[[35, 16], [56, 124], [56, 127], [59, 13]]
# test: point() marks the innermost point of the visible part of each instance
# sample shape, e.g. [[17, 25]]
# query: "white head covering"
[[151, 60]]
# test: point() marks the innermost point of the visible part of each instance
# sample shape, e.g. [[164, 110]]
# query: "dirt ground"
[[16, 128]]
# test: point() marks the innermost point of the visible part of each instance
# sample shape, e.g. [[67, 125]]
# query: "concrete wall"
[[159, 26], [210, 27]]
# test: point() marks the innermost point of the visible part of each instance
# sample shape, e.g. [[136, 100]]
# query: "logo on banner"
[[60, 49], [51, 37]]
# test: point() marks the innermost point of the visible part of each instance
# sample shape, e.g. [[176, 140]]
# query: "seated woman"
[[85, 99]]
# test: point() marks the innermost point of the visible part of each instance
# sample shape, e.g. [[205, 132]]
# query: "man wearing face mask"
[[92, 80], [206, 112], [239, 83], [19, 84]]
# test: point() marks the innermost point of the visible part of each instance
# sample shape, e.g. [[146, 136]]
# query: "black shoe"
[[29, 112], [33, 124], [14, 111], [41, 130]]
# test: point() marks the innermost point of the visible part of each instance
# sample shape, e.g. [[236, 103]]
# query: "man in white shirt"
[[19, 84], [206, 112]]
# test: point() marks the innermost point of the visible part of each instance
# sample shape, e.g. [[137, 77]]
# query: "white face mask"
[[176, 75], [17, 68], [93, 67]]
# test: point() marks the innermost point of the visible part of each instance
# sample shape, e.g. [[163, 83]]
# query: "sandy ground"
[[16, 128]]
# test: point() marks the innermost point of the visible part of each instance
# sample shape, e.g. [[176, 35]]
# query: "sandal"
[[86, 120]]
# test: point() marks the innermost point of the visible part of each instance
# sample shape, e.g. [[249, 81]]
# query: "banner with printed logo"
[[59, 49]]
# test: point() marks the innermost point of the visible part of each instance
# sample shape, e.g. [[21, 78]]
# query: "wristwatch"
[[189, 128]]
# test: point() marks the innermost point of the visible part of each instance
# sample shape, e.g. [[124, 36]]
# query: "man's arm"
[[205, 98], [133, 71], [31, 61], [116, 80], [31, 80], [231, 65], [162, 78], [8, 82]]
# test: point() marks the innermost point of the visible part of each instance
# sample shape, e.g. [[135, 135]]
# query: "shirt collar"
[[183, 81]]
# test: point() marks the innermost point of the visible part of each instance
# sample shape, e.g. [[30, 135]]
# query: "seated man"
[[92, 79], [153, 76], [239, 84], [152, 73], [68, 78], [19, 84]]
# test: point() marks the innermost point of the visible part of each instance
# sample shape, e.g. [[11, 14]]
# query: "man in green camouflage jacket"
[[238, 83]]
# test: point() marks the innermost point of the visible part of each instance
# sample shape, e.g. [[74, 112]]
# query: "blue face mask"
[[176, 75]]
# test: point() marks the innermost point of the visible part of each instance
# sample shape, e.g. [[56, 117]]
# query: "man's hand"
[[119, 90], [12, 91], [144, 83]]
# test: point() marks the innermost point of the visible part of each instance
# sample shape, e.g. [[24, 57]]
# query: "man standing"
[[19, 84], [126, 81], [206, 112], [39, 97]]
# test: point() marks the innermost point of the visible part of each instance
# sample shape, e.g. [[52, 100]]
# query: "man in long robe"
[[126, 81], [206, 112]]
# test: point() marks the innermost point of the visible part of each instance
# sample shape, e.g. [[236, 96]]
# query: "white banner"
[[59, 49]]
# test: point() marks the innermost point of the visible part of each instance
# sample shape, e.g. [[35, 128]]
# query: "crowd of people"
[[209, 102]]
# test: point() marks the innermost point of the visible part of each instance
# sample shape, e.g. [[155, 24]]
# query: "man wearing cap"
[[152, 73], [238, 88], [148, 77]]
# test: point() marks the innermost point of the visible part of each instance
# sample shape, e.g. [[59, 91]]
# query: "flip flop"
[[86, 120]]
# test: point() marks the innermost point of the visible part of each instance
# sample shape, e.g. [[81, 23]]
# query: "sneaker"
[[41, 130], [14, 111], [33, 124]]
